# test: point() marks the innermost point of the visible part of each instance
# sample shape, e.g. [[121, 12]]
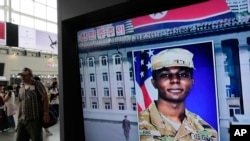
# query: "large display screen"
[[181, 74], [30, 38]]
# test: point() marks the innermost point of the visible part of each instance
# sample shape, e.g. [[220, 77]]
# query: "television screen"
[[38, 40], [179, 74]]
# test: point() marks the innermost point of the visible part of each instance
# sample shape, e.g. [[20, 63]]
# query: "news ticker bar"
[[238, 132]]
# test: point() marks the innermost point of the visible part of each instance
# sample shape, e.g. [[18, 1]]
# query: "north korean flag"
[[191, 13]]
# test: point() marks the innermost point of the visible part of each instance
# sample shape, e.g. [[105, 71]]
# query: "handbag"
[[52, 118]]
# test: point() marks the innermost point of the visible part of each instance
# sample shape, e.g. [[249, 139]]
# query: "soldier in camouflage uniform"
[[167, 119]]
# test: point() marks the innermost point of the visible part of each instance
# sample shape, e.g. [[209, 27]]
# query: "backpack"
[[52, 113]]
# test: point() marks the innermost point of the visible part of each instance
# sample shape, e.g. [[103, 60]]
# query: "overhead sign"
[[46, 41], [26, 37], [30, 38]]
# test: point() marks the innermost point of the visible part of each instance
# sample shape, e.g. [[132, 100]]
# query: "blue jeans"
[[56, 109], [11, 121]]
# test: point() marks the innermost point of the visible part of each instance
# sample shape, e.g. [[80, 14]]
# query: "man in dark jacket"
[[126, 127]]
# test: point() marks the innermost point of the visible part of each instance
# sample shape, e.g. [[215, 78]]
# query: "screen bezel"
[[71, 114]]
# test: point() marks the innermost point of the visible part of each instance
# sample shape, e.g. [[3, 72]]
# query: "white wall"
[[39, 65]]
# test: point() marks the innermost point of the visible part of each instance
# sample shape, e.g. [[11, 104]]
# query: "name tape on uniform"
[[150, 132]]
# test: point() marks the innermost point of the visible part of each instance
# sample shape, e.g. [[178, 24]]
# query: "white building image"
[[108, 83], [239, 7]]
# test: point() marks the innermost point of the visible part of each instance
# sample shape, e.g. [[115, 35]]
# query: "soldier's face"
[[173, 84]]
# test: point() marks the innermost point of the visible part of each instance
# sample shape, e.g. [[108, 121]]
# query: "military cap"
[[172, 57]]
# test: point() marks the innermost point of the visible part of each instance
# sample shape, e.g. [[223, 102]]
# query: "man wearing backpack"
[[32, 109]]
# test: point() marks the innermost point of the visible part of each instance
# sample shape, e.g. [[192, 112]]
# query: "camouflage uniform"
[[154, 128]]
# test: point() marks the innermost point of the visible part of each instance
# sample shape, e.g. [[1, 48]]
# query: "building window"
[[94, 105], [234, 110], [231, 91], [91, 62], [93, 92], [80, 62], [118, 76], [134, 106], [83, 63], [83, 104], [120, 92], [132, 91], [105, 76], [106, 92], [81, 77], [131, 74], [38, 14], [104, 61], [117, 59], [92, 77], [107, 105], [82, 92], [121, 106]]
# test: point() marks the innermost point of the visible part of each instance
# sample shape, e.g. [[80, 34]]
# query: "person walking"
[[11, 109], [126, 127], [3, 116], [33, 108], [54, 97]]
